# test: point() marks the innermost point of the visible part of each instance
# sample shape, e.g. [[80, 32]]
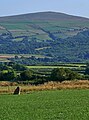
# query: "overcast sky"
[[73, 7]]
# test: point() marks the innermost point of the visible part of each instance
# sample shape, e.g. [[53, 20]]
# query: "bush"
[[19, 67], [8, 75], [87, 69], [61, 74], [26, 75]]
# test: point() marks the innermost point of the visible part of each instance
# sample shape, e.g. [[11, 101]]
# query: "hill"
[[62, 37]]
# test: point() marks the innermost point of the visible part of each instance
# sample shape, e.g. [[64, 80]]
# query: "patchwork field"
[[46, 34], [46, 105]]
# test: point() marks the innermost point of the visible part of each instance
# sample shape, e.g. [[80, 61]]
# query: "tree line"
[[18, 72]]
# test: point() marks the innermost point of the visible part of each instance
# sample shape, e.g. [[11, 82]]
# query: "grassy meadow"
[[46, 105]]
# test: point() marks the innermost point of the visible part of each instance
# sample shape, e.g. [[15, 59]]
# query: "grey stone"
[[17, 91]]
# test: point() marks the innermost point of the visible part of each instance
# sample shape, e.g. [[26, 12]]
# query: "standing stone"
[[17, 91]]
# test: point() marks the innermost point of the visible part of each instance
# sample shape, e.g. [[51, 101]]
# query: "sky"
[[72, 7]]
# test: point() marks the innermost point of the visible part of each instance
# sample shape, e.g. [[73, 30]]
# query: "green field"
[[46, 69], [46, 105], [57, 66]]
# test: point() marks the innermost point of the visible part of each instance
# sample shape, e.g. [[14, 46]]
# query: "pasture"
[[46, 105], [46, 69]]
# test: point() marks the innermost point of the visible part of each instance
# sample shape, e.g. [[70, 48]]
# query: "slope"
[[46, 33]]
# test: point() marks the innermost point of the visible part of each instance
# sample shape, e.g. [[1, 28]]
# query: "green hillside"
[[46, 33]]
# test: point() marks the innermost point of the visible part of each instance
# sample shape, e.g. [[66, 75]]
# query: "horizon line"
[[10, 15]]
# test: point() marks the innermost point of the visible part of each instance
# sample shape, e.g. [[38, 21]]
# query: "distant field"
[[19, 55], [57, 66], [47, 69], [46, 105], [4, 57]]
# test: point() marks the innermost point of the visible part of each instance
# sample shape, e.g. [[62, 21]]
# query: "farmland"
[[46, 69], [46, 54], [56, 36], [39, 66], [39, 74], [46, 105]]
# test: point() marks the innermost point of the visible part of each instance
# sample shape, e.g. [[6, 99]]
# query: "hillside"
[[64, 38]]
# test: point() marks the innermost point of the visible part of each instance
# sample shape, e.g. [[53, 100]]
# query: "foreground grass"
[[46, 105]]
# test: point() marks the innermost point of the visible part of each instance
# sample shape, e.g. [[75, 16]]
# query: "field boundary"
[[7, 88]]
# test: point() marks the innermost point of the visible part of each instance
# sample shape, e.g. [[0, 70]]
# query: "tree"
[[8, 75], [87, 69], [58, 74], [74, 75], [26, 75], [16, 57], [19, 67], [11, 75], [61, 74], [4, 67]]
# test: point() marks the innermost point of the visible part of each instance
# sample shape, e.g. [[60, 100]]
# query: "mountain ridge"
[[50, 34], [47, 14]]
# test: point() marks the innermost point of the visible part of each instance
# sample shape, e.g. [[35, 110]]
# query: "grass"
[[30, 27], [46, 105], [61, 66], [80, 68], [4, 57], [9, 87], [17, 39]]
